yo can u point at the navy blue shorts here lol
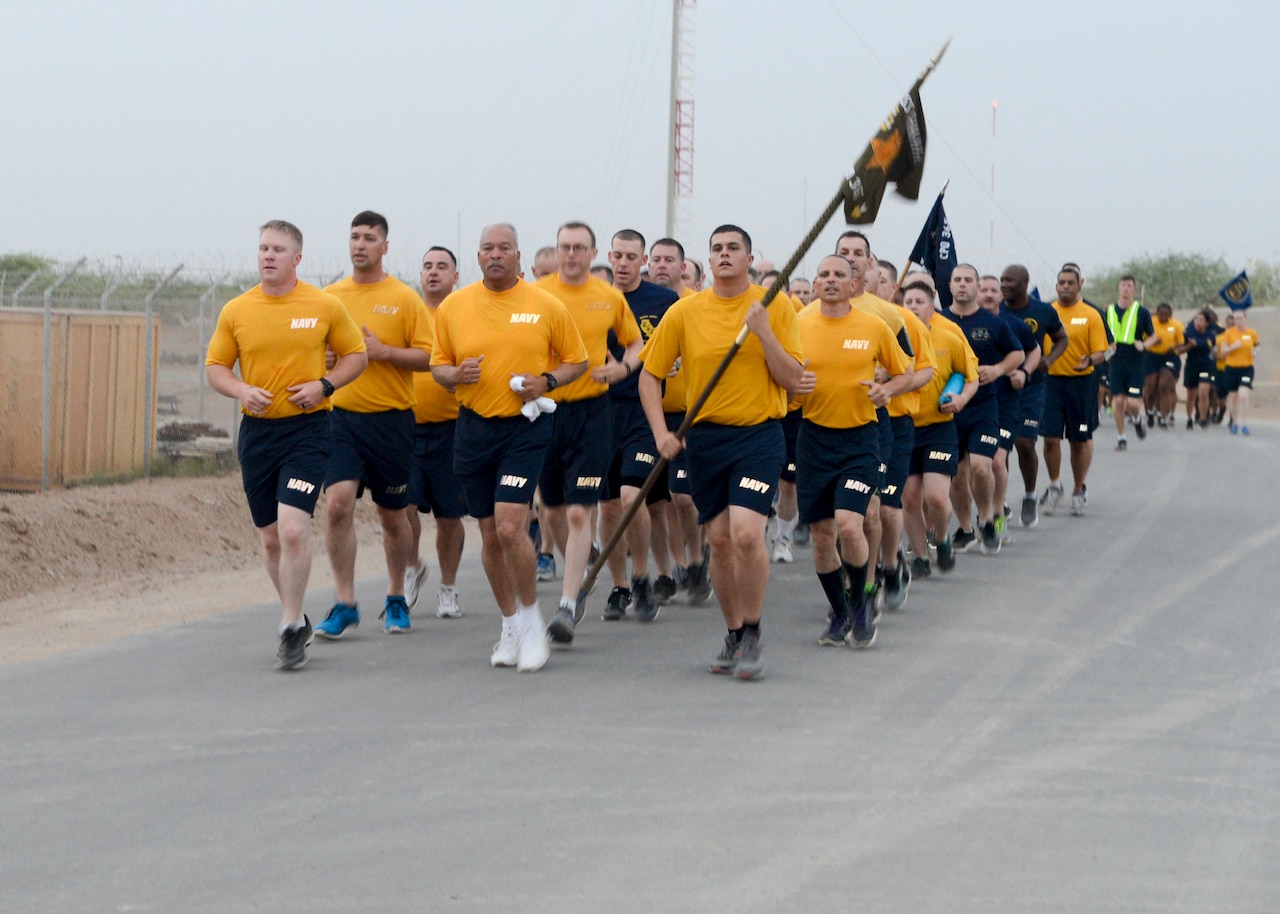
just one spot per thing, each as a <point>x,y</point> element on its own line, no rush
<point>936,450</point>
<point>1238,377</point>
<point>579,454</point>
<point>1197,372</point>
<point>734,465</point>
<point>837,469</point>
<point>282,462</point>
<point>1010,410</point>
<point>790,435</point>
<point>1070,408</point>
<point>634,454</point>
<point>884,428</point>
<point>678,467</point>
<point>498,460</point>
<point>1126,374</point>
<point>898,466</point>
<point>433,486</point>
<point>978,428</point>
<point>1166,361</point>
<point>376,450</point>
<point>1030,411</point>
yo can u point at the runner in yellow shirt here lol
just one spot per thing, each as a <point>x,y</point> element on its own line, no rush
<point>1236,346</point>
<point>1160,390</point>
<point>278,332</point>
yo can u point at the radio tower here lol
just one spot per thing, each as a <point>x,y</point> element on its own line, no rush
<point>680,148</point>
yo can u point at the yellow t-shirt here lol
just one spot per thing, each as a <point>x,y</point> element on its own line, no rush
<point>434,403</point>
<point>1085,334</point>
<point>279,341</point>
<point>390,309</point>
<point>952,353</point>
<point>888,312</point>
<point>906,404</point>
<point>596,308</point>
<point>1166,336</point>
<point>524,330</point>
<point>699,330</point>
<point>1242,357</point>
<point>843,352</point>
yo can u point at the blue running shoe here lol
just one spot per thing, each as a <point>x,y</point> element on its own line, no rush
<point>546,567</point>
<point>340,618</point>
<point>395,617</point>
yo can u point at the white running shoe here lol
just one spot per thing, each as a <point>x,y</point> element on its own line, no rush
<point>533,648</point>
<point>507,651</point>
<point>782,550</point>
<point>414,578</point>
<point>447,603</point>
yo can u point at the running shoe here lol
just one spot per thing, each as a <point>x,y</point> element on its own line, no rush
<point>616,608</point>
<point>534,651</point>
<point>699,584</point>
<point>341,617</point>
<point>292,653</point>
<point>506,652</point>
<point>894,595</point>
<point>963,539</point>
<point>561,626</point>
<point>727,660</point>
<point>1139,429</point>
<point>946,556</point>
<point>749,657</point>
<point>837,633</point>
<point>990,539</point>
<point>1077,504</point>
<point>1052,496</point>
<point>1161,422</point>
<point>1244,430</point>
<point>395,616</point>
<point>920,567</point>
<point>864,636</point>
<point>447,603</point>
<point>644,599</point>
<point>1030,517</point>
<point>1002,529</point>
<point>414,577</point>
<point>546,567</point>
<point>782,551</point>
<point>1191,423</point>
<point>1233,428</point>
<point>1121,444</point>
<point>1151,420</point>
<point>664,589</point>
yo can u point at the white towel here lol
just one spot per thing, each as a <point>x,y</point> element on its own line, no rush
<point>533,408</point>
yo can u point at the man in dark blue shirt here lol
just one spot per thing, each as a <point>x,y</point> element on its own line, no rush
<point>635,453</point>
<point>1044,324</point>
<point>978,424</point>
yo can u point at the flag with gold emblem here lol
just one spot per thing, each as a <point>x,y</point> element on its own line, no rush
<point>1238,294</point>
<point>895,155</point>
<point>935,250</point>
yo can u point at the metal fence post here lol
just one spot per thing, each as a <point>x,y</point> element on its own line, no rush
<point>200,379</point>
<point>46,393</point>
<point>148,381</point>
<point>28,281</point>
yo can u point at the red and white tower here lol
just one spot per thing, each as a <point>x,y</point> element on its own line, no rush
<point>680,148</point>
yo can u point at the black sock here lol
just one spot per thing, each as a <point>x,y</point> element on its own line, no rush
<point>833,586</point>
<point>738,633</point>
<point>857,584</point>
<point>752,627</point>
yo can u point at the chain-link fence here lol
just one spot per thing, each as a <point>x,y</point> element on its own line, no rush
<point>188,420</point>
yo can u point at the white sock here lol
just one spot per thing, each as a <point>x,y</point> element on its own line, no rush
<point>510,624</point>
<point>529,616</point>
<point>787,527</point>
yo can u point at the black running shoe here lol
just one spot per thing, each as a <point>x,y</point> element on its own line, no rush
<point>946,556</point>
<point>963,539</point>
<point>292,653</point>
<point>837,632</point>
<point>699,584</point>
<point>920,567</point>
<point>664,589</point>
<point>990,539</point>
<point>616,608</point>
<point>642,597</point>
<point>561,626</point>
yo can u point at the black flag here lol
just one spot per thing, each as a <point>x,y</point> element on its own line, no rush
<point>895,154</point>
<point>935,250</point>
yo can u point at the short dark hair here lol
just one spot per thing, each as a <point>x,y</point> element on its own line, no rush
<point>669,242</point>
<point>729,227</point>
<point>440,247</point>
<point>1068,268</point>
<point>888,265</point>
<point>577,225</point>
<point>629,235</point>
<point>1164,304</point>
<point>768,275</point>
<point>371,219</point>
<point>1129,276</point>
<point>854,233</point>
<point>966,266</point>
<point>922,286</point>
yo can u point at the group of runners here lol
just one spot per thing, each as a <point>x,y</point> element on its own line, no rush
<point>856,412</point>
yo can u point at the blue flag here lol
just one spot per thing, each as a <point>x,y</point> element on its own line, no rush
<point>936,251</point>
<point>1237,293</point>
<point>1034,295</point>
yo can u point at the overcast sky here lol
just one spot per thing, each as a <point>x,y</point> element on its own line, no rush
<point>166,132</point>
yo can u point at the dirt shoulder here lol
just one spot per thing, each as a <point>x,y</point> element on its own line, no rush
<point>85,565</point>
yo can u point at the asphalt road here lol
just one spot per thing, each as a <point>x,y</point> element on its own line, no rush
<point>1085,722</point>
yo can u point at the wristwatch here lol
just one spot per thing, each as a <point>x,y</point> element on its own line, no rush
<point>552,383</point>
<point>327,385</point>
